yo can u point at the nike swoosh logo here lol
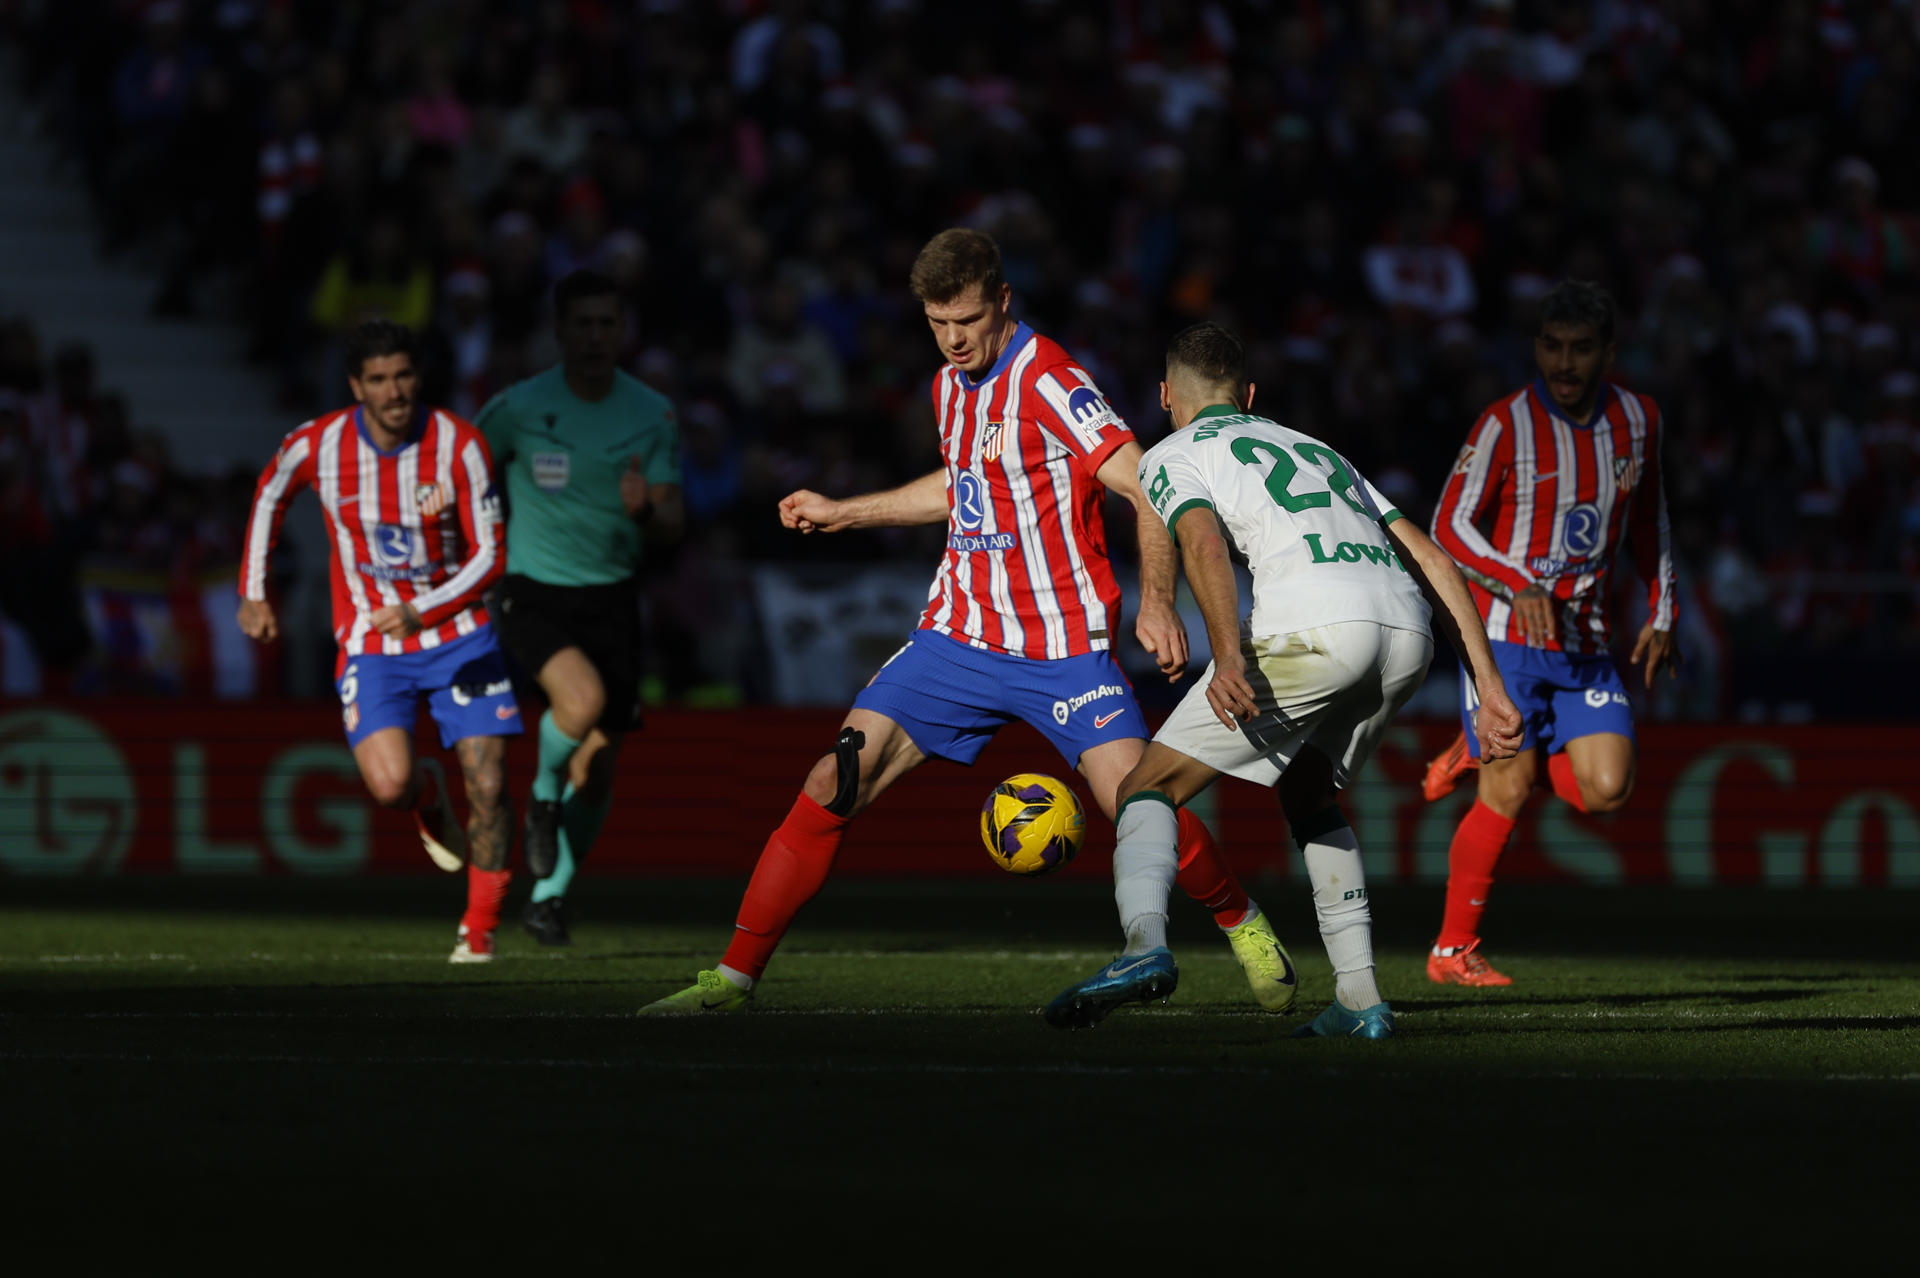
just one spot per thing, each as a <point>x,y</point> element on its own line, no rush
<point>1471,901</point>
<point>1103,720</point>
<point>712,1007</point>
<point>1544,474</point>
<point>1287,975</point>
<point>1114,968</point>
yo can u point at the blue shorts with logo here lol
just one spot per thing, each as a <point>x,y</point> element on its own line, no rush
<point>1560,696</point>
<point>951,698</point>
<point>465,683</point>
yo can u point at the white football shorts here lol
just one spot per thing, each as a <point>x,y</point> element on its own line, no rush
<point>1333,687</point>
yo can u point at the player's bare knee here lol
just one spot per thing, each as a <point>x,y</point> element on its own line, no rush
<point>579,710</point>
<point>485,788</point>
<point>1505,787</point>
<point>390,789</point>
<point>1607,793</point>
<point>835,782</point>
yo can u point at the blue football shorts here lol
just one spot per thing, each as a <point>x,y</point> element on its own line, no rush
<point>1561,696</point>
<point>465,682</point>
<point>951,698</point>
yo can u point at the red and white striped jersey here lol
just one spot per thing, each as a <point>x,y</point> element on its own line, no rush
<point>418,525</point>
<point>1537,498</point>
<point>1026,569</point>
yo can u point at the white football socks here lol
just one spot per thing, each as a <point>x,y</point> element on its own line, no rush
<point>1145,860</point>
<point>1346,924</point>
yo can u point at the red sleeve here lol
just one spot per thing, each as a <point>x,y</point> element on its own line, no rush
<point>291,469</point>
<point>480,522</point>
<point>1472,489</point>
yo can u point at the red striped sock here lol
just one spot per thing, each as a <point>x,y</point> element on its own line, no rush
<point>790,871</point>
<point>1476,849</point>
<point>1565,784</point>
<point>486,889</point>
<point>1205,875</point>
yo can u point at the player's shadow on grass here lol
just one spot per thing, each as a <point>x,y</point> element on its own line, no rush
<point>1744,997</point>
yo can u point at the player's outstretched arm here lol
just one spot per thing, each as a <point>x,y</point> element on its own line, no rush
<point>924,501</point>
<point>1158,627</point>
<point>1210,574</point>
<point>1498,721</point>
<point>290,470</point>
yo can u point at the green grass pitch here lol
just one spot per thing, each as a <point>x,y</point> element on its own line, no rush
<point>294,1066</point>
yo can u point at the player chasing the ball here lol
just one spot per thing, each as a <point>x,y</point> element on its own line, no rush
<point>407,492</point>
<point>1563,473</point>
<point>1020,621</point>
<point>1339,637</point>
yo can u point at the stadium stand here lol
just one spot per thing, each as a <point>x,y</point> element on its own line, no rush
<point>1374,194</point>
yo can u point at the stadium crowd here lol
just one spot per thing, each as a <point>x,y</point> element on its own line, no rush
<point>1374,194</point>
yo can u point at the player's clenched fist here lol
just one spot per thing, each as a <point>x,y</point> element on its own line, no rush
<point>398,621</point>
<point>1497,723</point>
<point>257,620</point>
<point>808,511</point>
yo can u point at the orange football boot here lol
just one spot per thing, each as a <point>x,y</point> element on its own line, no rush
<point>1446,769</point>
<point>1464,967</point>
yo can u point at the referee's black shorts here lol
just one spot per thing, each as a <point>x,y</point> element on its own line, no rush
<point>536,620</point>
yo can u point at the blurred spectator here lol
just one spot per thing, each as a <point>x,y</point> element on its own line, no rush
<point>1375,195</point>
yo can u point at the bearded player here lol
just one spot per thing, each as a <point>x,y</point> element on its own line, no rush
<point>1019,624</point>
<point>1555,481</point>
<point>407,493</point>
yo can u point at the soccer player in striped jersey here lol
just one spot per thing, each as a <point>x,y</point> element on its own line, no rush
<point>407,493</point>
<point>1553,482</point>
<point>1019,623</point>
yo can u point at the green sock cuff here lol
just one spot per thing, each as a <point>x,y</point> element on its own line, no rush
<point>556,751</point>
<point>1325,821</point>
<point>1140,795</point>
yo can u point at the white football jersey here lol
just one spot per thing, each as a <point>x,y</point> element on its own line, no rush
<point>1312,528</point>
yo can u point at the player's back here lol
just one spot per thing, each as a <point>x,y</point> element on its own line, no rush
<point>1311,527</point>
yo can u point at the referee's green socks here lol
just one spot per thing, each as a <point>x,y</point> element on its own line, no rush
<point>556,752</point>
<point>580,821</point>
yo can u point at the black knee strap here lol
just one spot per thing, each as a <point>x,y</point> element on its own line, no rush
<point>846,756</point>
<point>1325,821</point>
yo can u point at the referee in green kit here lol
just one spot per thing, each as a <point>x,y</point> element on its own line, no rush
<point>591,461</point>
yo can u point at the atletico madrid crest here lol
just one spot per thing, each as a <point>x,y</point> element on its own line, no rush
<point>431,498</point>
<point>1625,473</point>
<point>992,442</point>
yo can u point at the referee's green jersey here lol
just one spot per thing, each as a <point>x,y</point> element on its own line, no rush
<point>562,458</point>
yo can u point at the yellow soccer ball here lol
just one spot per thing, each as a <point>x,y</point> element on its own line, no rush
<point>1032,824</point>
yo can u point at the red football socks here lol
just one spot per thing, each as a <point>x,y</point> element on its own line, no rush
<point>1565,784</point>
<point>486,889</point>
<point>790,871</point>
<point>1205,875</point>
<point>1476,849</point>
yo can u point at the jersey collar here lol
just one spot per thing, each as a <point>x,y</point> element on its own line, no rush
<point>1021,336</point>
<point>1217,410</point>
<point>1600,403</point>
<point>412,435</point>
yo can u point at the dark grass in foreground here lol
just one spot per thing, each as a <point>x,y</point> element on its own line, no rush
<point>261,1058</point>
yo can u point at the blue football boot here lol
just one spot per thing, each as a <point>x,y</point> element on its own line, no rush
<point>1338,1022</point>
<point>1131,978</point>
